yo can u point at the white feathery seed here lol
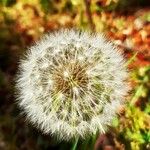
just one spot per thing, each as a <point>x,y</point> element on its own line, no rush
<point>71,83</point>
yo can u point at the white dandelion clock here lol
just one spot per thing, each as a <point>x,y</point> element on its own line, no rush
<point>71,83</point>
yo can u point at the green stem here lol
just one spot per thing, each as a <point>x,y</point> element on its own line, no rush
<point>94,137</point>
<point>131,59</point>
<point>75,144</point>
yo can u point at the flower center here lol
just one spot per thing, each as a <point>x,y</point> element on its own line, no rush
<point>70,79</point>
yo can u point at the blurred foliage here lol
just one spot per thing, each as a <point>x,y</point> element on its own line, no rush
<point>134,125</point>
<point>7,2</point>
<point>134,129</point>
<point>126,23</point>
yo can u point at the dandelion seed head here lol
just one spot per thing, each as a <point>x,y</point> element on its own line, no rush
<point>71,83</point>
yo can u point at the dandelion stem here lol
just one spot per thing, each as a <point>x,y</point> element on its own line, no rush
<point>94,137</point>
<point>75,144</point>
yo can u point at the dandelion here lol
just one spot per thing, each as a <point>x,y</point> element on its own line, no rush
<point>71,83</point>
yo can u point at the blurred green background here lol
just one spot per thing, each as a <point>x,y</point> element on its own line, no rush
<point>126,23</point>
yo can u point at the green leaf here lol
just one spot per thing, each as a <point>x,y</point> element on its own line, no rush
<point>115,122</point>
<point>46,5</point>
<point>131,59</point>
<point>3,2</point>
<point>76,2</point>
<point>147,109</point>
<point>137,94</point>
<point>7,2</point>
